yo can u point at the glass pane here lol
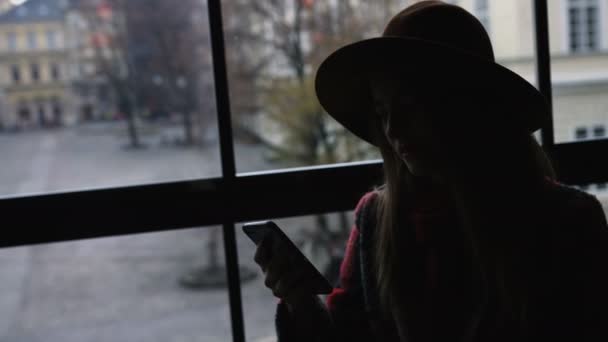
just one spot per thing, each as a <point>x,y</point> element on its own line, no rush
<point>128,288</point>
<point>275,47</point>
<point>105,93</point>
<point>579,69</point>
<point>322,239</point>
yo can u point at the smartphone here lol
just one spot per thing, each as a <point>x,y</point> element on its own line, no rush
<point>257,231</point>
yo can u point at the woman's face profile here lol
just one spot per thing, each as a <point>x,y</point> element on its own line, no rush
<point>407,123</point>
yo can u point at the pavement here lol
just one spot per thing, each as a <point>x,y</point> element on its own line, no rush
<point>120,288</point>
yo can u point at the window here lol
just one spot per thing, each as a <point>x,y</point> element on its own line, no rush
<point>599,131</point>
<point>31,40</point>
<point>11,41</point>
<point>43,10</point>
<point>42,119</point>
<point>34,72</point>
<point>97,284</point>
<point>271,116</point>
<point>55,72</point>
<point>22,11</point>
<point>578,78</point>
<point>136,171</point>
<point>583,25</point>
<point>15,73</point>
<point>51,39</point>
<point>57,112</point>
<point>167,130</point>
<point>581,133</point>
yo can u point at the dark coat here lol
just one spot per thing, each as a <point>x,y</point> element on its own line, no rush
<point>570,301</point>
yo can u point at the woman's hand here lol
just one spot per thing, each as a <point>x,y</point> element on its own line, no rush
<point>284,275</point>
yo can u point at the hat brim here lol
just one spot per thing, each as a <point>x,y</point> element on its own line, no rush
<point>342,84</point>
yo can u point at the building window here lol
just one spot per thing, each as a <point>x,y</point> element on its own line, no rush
<point>55,72</point>
<point>31,40</point>
<point>57,111</point>
<point>482,11</point>
<point>35,72</point>
<point>43,10</point>
<point>51,39</point>
<point>21,11</point>
<point>41,114</point>
<point>583,24</point>
<point>581,133</point>
<point>24,113</point>
<point>15,73</point>
<point>599,131</point>
<point>11,41</point>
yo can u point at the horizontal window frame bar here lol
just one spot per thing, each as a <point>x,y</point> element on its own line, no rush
<point>197,203</point>
<point>149,208</point>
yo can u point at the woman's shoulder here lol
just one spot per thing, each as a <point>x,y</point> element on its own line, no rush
<point>569,196</point>
<point>366,207</point>
<point>577,209</point>
<point>366,200</point>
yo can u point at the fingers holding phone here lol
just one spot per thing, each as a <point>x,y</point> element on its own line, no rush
<point>288,273</point>
<point>282,271</point>
<point>264,252</point>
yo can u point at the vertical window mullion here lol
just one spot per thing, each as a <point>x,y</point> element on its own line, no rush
<point>543,67</point>
<point>228,167</point>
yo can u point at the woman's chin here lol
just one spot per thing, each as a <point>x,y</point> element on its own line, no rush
<point>420,171</point>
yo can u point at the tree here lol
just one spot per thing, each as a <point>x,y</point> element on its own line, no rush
<point>107,36</point>
<point>274,48</point>
<point>172,55</point>
<point>155,55</point>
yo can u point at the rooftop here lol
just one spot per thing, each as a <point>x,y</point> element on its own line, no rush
<point>35,10</point>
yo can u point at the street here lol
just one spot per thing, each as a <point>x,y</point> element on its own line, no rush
<point>119,288</point>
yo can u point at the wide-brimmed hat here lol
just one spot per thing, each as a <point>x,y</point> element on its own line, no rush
<point>438,46</point>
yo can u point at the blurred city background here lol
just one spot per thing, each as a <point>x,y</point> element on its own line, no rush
<point>105,93</point>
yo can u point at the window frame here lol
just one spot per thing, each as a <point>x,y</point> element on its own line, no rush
<point>598,131</point>
<point>582,36</point>
<point>31,40</point>
<point>11,41</point>
<point>16,76</point>
<point>581,133</point>
<point>51,39</point>
<point>54,71</point>
<point>234,198</point>
<point>35,76</point>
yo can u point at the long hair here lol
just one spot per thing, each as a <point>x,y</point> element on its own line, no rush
<point>503,164</point>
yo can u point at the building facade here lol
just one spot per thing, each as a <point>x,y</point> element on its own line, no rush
<point>46,74</point>
<point>579,57</point>
<point>33,61</point>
